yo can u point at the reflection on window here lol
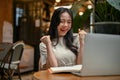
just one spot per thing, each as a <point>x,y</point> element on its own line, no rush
<point>19,13</point>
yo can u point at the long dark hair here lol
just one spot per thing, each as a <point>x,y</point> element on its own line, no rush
<point>55,21</point>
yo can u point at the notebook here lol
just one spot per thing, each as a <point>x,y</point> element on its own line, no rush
<point>101,55</point>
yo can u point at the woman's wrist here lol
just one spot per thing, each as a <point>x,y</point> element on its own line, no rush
<point>49,44</point>
<point>82,42</point>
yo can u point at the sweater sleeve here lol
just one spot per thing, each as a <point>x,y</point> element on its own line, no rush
<point>43,54</point>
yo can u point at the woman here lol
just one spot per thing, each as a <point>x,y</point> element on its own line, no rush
<point>60,47</point>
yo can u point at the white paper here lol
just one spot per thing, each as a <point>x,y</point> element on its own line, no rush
<point>75,68</point>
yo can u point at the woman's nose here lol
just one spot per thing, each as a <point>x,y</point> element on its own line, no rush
<point>65,24</point>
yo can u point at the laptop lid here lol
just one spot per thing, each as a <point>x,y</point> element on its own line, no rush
<point>101,55</point>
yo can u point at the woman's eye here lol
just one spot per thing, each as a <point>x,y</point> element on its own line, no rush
<point>69,22</point>
<point>62,21</point>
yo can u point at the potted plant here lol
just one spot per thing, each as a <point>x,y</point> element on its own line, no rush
<point>83,20</point>
<point>107,18</point>
<point>106,12</point>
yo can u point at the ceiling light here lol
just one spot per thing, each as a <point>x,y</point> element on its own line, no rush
<point>81,13</point>
<point>89,6</point>
<point>57,1</point>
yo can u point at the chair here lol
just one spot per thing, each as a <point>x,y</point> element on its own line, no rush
<point>5,48</point>
<point>11,66</point>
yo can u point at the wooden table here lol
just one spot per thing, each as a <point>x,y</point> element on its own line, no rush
<point>45,75</point>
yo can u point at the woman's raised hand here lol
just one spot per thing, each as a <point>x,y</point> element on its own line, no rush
<point>46,39</point>
<point>82,34</point>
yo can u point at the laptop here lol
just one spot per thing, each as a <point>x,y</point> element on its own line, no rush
<point>101,55</point>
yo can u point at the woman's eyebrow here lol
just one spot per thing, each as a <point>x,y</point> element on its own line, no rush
<point>65,19</point>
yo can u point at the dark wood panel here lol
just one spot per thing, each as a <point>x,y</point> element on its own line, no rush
<point>6,9</point>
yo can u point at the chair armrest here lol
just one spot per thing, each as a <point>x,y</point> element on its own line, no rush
<point>15,62</point>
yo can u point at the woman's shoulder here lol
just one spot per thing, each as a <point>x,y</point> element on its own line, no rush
<point>75,34</point>
<point>76,37</point>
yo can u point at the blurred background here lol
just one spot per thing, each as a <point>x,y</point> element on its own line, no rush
<point>30,19</point>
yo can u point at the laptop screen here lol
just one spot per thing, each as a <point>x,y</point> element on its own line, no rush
<point>101,55</point>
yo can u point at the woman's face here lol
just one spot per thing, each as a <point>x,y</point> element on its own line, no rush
<point>65,24</point>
